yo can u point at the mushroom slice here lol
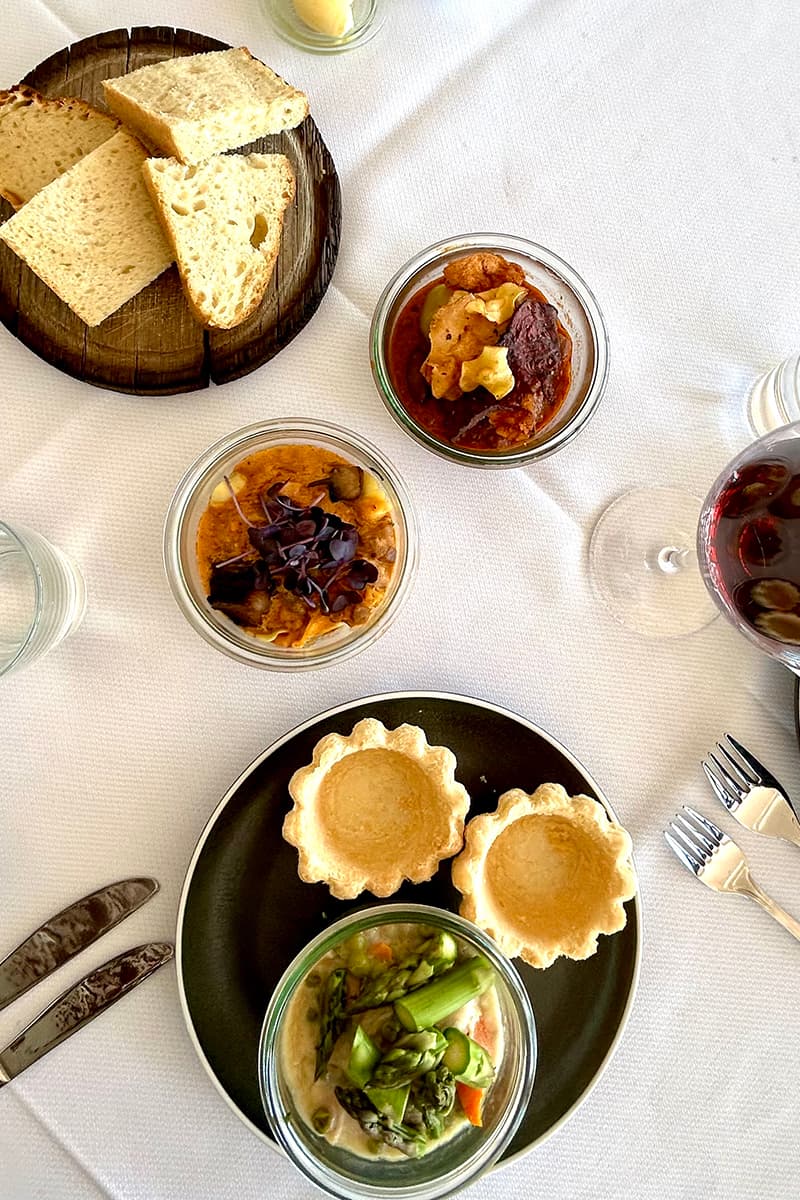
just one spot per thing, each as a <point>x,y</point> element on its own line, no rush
<point>782,626</point>
<point>345,482</point>
<point>777,594</point>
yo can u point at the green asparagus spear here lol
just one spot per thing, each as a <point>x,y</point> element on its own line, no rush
<point>379,1126</point>
<point>435,956</point>
<point>412,1055</point>
<point>431,1100</point>
<point>444,996</point>
<point>364,1055</point>
<point>332,1017</point>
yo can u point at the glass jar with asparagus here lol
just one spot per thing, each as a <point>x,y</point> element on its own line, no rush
<point>392,1042</point>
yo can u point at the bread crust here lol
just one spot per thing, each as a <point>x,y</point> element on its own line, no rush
<point>23,96</point>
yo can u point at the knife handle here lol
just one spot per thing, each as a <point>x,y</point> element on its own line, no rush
<point>81,1004</point>
<point>69,932</point>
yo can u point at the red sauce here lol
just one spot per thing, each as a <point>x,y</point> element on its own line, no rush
<point>446,419</point>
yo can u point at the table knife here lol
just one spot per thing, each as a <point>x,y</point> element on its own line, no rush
<point>81,1004</point>
<point>69,932</point>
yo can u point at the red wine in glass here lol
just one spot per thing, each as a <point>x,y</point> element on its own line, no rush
<point>748,543</point>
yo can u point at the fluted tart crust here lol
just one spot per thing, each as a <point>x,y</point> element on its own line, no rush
<point>545,874</point>
<point>374,809</point>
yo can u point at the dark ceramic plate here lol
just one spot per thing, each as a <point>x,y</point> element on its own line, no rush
<point>245,914</point>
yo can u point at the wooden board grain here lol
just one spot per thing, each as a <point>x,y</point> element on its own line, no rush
<point>152,345</point>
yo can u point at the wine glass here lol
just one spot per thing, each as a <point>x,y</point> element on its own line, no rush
<point>643,563</point>
<point>748,543</point>
<point>665,563</point>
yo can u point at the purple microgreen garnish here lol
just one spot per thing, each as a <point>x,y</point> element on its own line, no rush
<point>236,503</point>
<point>303,548</point>
<point>236,558</point>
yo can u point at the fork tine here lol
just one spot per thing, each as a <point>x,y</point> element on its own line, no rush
<point>730,802</point>
<point>688,860</point>
<point>728,779</point>
<point>758,770</point>
<point>711,829</point>
<point>690,843</point>
<point>694,836</point>
<point>742,774</point>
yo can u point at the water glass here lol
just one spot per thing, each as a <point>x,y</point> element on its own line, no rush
<point>42,596</point>
<point>774,399</point>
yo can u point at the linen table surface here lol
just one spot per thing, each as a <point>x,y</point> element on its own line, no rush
<point>655,147</point>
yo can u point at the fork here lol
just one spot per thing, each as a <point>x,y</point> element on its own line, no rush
<point>750,793</point>
<point>718,862</point>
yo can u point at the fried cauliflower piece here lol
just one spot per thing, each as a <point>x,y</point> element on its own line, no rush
<point>458,334</point>
<point>482,271</point>
<point>490,370</point>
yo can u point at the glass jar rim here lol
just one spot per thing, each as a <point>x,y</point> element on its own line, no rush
<point>501,459</point>
<point>276,431</point>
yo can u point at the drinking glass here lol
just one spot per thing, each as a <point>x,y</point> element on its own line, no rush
<point>42,596</point>
<point>748,543</point>
<point>774,398</point>
<point>643,563</point>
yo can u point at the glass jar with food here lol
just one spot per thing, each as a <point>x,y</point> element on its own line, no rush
<point>326,26</point>
<point>489,350</point>
<point>290,544</point>
<point>398,1052</point>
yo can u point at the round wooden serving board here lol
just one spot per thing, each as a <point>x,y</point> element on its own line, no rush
<point>152,346</point>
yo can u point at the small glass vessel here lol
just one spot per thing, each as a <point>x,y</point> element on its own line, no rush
<point>367,19</point>
<point>774,398</point>
<point>42,596</point>
<point>191,500</point>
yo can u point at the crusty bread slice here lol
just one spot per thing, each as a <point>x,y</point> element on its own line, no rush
<point>201,104</point>
<point>92,234</point>
<point>223,220</point>
<point>41,138</point>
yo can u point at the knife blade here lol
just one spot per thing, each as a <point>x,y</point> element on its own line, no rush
<point>69,932</point>
<point>81,1004</point>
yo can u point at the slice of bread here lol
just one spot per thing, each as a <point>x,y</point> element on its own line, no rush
<point>41,138</point>
<point>92,234</point>
<point>196,106</point>
<point>223,220</point>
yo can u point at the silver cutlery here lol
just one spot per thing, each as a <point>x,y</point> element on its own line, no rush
<point>81,1004</point>
<point>69,932</point>
<point>718,862</point>
<point>750,793</point>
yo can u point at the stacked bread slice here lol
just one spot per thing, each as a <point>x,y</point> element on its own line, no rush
<point>223,220</point>
<point>194,107</point>
<point>116,218</point>
<point>42,138</point>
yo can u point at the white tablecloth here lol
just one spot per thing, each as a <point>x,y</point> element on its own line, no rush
<point>653,145</point>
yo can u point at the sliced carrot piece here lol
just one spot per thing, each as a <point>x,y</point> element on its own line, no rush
<point>471,1100</point>
<point>382,951</point>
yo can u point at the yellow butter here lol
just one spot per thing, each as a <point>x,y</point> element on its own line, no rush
<point>331,17</point>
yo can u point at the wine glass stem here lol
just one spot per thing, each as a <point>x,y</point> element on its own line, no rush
<point>672,559</point>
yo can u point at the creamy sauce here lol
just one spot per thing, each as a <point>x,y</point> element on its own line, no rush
<point>480,1019</point>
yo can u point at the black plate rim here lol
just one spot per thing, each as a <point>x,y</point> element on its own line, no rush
<point>276,745</point>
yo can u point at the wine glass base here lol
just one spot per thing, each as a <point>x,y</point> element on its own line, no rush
<point>643,563</point>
